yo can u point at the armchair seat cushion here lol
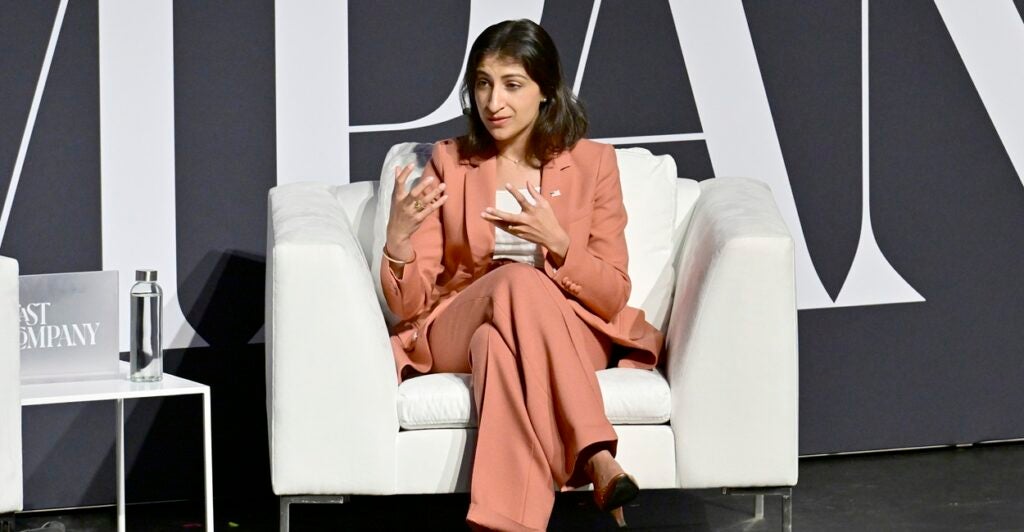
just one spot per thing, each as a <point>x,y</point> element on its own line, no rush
<point>445,400</point>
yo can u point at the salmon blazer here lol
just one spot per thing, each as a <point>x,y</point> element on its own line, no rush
<point>454,247</point>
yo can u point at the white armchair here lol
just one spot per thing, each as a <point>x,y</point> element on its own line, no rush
<point>711,264</point>
<point>10,393</point>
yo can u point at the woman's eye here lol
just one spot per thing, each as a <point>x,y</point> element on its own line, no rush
<point>481,83</point>
<point>512,86</point>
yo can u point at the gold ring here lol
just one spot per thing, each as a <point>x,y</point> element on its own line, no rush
<point>418,205</point>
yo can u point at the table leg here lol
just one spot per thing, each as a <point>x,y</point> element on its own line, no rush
<point>119,459</point>
<point>207,460</point>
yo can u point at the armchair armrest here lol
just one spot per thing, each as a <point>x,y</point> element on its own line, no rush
<point>10,390</point>
<point>331,385</point>
<point>732,342</point>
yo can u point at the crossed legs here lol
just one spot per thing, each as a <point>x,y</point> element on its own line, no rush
<point>540,408</point>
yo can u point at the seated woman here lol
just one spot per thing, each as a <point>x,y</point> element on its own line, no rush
<point>508,261</point>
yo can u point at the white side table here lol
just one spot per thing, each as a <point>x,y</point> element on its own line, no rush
<point>119,390</point>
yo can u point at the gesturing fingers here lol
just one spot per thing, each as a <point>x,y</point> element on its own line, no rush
<point>524,204</point>
<point>401,176</point>
<point>425,182</point>
<point>501,217</point>
<point>428,197</point>
<point>538,199</point>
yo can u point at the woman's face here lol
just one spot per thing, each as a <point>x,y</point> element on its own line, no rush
<point>507,100</point>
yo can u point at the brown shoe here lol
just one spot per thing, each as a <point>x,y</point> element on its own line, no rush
<point>616,492</point>
<point>621,489</point>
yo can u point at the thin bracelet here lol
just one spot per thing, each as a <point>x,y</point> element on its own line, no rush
<point>396,261</point>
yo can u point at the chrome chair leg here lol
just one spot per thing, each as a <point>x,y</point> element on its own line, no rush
<point>787,513</point>
<point>785,492</point>
<point>287,500</point>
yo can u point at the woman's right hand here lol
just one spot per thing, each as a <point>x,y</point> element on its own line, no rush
<point>408,210</point>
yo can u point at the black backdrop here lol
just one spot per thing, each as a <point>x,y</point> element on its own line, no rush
<point>947,207</point>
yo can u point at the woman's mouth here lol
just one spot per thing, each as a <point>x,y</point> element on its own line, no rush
<point>498,120</point>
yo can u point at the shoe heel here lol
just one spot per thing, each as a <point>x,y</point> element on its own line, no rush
<point>620,517</point>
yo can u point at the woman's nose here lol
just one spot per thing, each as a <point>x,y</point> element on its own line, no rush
<point>495,101</point>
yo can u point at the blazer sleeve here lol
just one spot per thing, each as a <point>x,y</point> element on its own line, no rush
<point>595,270</point>
<point>415,291</point>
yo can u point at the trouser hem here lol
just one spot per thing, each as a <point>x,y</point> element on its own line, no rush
<point>480,518</point>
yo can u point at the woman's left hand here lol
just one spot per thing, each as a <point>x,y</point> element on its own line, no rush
<point>536,223</point>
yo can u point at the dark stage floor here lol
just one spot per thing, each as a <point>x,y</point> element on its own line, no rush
<point>979,489</point>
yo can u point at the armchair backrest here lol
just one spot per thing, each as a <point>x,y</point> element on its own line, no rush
<point>658,205</point>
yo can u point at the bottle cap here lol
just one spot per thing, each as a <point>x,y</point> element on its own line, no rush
<point>145,275</point>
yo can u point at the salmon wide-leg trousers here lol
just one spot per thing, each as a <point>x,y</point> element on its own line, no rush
<point>533,363</point>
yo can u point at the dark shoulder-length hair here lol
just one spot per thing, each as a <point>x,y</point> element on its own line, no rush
<point>562,120</point>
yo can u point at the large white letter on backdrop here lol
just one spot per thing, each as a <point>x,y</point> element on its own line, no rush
<point>311,55</point>
<point>137,155</point>
<point>741,139</point>
<point>312,85</point>
<point>990,39</point>
<point>482,14</point>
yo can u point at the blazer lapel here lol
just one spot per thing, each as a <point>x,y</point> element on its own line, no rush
<point>479,190</point>
<point>558,179</point>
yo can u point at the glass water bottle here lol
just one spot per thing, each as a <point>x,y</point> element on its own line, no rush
<point>146,355</point>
